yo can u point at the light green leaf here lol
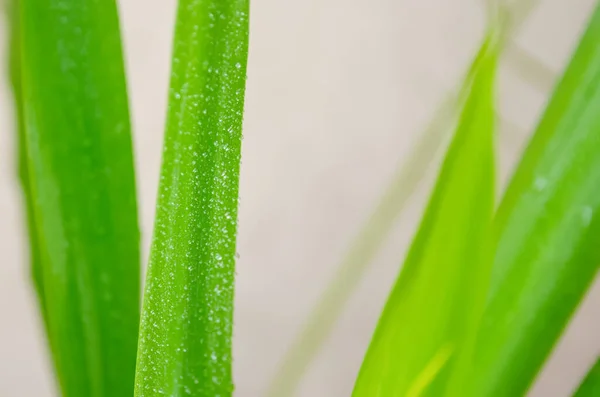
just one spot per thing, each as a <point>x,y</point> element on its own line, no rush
<point>186,326</point>
<point>81,180</point>
<point>547,232</point>
<point>590,387</point>
<point>433,304</point>
<point>392,204</point>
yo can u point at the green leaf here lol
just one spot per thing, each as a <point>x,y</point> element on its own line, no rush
<point>391,204</point>
<point>590,387</point>
<point>547,232</point>
<point>186,326</point>
<point>35,255</point>
<point>14,69</point>
<point>364,247</point>
<point>81,180</point>
<point>433,304</point>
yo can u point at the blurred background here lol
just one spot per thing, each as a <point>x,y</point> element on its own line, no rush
<point>339,93</point>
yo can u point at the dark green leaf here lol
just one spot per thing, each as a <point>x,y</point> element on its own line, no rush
<point>80,172</point>
<point>590,387</point>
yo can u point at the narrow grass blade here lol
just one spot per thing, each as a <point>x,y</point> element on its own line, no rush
<point>590,387</point>
<point>35,256</point>
<point>547,231</point>
<point>431,305</point>
<point>79,175</point>
<point>186,326</point>
<point>14,70</point>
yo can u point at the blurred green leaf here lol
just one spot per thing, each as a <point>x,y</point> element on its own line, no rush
<point>590,387</point>
<point>186,326</point>
<point>35,256</point>
<point>365,246</point>
<point>14,71</point>
<point>433,303</point>
<point>392,203</point>
<point>546,233</point>
<point>79,170</point>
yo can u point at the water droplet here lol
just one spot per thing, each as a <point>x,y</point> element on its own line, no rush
<point>586,215</point>
<point>540,183</point>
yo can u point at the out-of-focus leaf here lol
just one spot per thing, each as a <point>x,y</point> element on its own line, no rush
<point>81,181</point>
<point>186,326</point>
<point>364,247</point>
<point>14,68</point>
<point>433,304</point>
<point>590,387</point>
<point>392,203</point>
<point>35,256</point>
<point>547,232</point>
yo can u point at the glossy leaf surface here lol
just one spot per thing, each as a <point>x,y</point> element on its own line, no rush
<point>81,180</point>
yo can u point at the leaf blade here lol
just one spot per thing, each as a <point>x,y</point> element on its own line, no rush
<point>545,230</point>
<point>419,320</point>
<point>80,169</point>
<point>186,325</point>
<point>14,72</point>
<point>590,386</point>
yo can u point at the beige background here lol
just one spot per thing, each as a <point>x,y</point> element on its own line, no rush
<point>338,91</point>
